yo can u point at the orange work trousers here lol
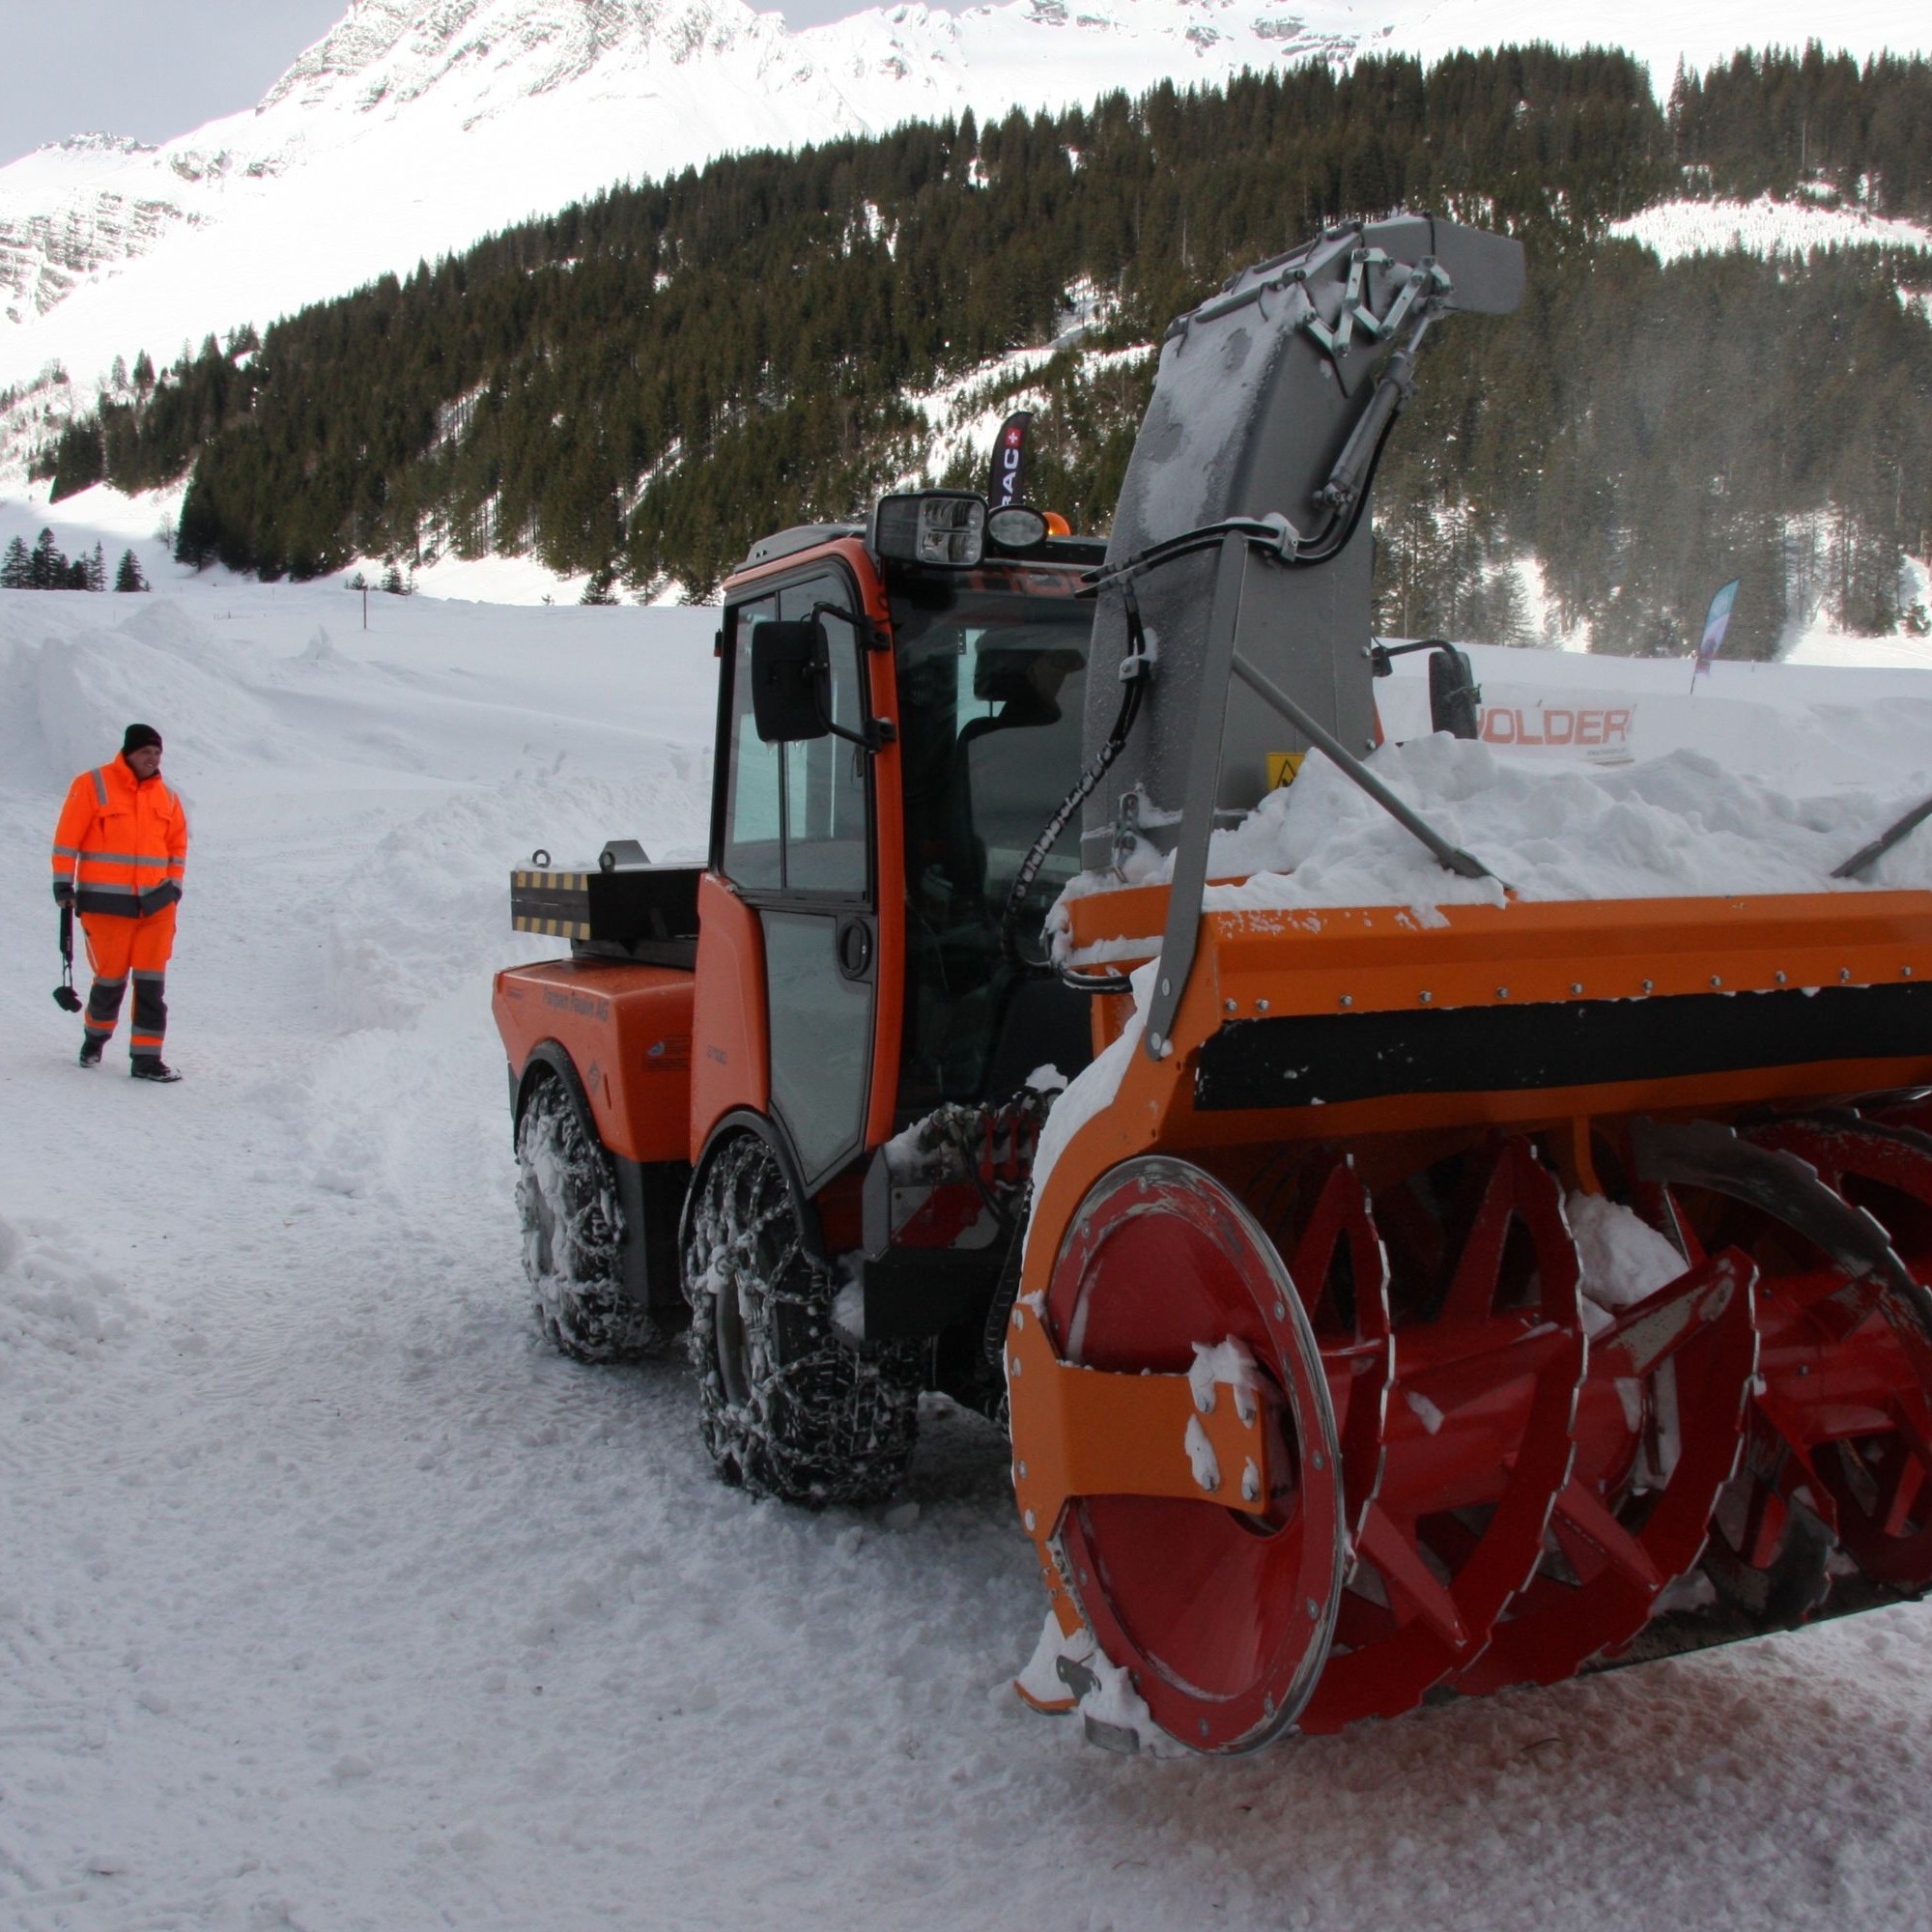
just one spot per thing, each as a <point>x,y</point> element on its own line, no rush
<point>119,949</point>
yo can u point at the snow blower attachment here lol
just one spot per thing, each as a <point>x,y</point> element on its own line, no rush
<point>1440,1300</point>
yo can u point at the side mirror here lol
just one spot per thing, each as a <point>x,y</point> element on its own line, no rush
<point>791,669</point>
<point>1453,693</point>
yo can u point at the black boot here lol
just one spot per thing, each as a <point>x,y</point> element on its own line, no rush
<point>151,1067</point>
<point>91,1047</point>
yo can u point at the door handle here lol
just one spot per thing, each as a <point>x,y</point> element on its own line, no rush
<point>854,945</point>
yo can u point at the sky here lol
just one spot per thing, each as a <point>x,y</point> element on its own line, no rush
<point>75,66</point>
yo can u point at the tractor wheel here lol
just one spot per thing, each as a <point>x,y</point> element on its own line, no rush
<point>573,1233</point>
<point>789,1409</point>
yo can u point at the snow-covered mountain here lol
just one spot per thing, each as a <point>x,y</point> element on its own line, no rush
<point>414,127</point>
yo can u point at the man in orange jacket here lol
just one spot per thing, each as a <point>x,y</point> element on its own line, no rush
<point>120,851</point>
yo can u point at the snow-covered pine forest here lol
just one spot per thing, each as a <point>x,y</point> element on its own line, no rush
<point>1719,372</point>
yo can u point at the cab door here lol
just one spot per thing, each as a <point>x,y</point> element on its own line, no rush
<point>793,835</point>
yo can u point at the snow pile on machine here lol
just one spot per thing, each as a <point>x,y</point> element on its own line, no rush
<point>1678,826</point>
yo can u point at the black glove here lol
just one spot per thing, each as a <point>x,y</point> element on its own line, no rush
<point>63,892</point>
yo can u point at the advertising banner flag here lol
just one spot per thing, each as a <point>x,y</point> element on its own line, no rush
<point>1717,622</point>
<point>1006,485</point>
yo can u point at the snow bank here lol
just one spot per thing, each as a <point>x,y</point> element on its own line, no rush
<point>85,666</point>
<point>432,899</point>
<point>52,1296</point>
<point>392,777</point>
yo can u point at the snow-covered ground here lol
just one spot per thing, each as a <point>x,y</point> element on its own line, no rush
<point>330,1598</point>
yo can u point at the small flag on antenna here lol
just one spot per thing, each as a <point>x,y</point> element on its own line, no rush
<point>1006,485</point>
<point>1717,622</point>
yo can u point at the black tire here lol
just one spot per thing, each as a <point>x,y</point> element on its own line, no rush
<point>574,1234</point>
<point>789,1409</point>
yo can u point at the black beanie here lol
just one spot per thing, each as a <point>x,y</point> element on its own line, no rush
<point>139,735</point>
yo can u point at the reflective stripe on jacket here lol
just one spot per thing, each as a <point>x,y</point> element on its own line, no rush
<point>122,840</point>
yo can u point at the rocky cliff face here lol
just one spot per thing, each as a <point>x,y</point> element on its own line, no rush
<point>384,55</point>
<point>94,202</point>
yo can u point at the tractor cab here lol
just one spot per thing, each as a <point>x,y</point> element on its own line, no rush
<point>902,714</point>
<point>791,1095</point>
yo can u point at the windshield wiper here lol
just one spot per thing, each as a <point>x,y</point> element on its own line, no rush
<point>1870,855</point>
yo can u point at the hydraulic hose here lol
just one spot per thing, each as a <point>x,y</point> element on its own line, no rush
<point>1346,494</point>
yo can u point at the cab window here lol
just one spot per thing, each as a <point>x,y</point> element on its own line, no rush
<point>754,791</point>
<point>796,816</point>
<point>992,689</point>
<point>826,778</point>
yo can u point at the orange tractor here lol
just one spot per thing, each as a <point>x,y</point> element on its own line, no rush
<point>1282,1298</point>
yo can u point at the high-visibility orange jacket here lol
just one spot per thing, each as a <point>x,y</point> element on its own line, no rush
<point>122,840</point>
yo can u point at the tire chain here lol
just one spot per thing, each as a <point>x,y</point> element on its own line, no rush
<point>814,1421</point>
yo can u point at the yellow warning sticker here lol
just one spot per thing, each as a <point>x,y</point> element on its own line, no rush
<point>1283,767</point>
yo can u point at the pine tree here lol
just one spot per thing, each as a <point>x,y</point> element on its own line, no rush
<point>47,565</point>
<point>199,530</point>
<point>96,569</point>
<point>16,572</point>
<point>598,590</point>
<point>127,576</point>
<point>79,460</point>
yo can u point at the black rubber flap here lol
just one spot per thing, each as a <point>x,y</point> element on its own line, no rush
<point>1299,1060</point>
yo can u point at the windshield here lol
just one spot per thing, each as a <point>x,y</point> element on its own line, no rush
<point>992,678</point>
